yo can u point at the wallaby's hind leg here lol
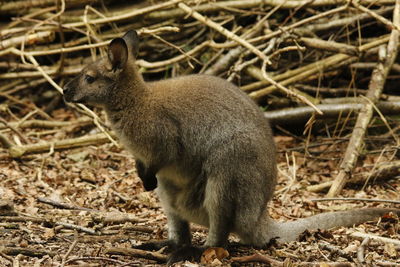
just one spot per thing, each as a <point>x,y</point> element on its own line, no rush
<point>254,189</point>
<point>252,229</point>
<point>219,205</point>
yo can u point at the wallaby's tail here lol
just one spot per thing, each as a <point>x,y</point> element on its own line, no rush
<point>289,231</point>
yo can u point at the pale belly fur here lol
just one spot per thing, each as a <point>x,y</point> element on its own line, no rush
<point>176,198</point>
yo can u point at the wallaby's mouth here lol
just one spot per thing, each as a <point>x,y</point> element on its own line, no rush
<point>70,97</point>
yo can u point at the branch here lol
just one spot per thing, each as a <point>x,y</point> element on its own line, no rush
<point>385,171</point>
<point>299,115</point>
<point>4,141</point>
<point>19,151</point>
<point>138,253</point>
<point>376,237</point>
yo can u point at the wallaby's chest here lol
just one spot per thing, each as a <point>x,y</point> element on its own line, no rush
<point>134,133</point>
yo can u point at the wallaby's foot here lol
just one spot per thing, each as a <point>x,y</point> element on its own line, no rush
<point>186,253</point>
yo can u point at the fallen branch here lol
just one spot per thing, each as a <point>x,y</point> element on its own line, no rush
<point>387,240</point>
<point>95,139</point>
<point>101,259</point>
<point>47,124</point>
<point>21,219</point>
<point>361,250</point>
<point>327,264</point>
<point>116,218</point>
<point>244,43</point>
<point>62,205</point>
<point>123,226</point>
<point>258,258</point>
<point>392,25</point>
<point>24,6</point>
<point>330,46</point>
<point>246,4</point>
<point>31,39</point>
<point>5,142</point>
<point>335,250</point>
<point>138,253</point>
<point>299,115</point>
<point>71,247</point>
<point>76,227</point>
<point>335,23</point>
<point>26,251</point>
<point>43,220</point>
<point>385,171</point>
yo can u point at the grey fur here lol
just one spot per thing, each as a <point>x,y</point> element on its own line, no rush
<point>207,143</point>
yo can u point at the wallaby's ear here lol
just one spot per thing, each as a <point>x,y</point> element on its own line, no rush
<point>132,40</point>
<point>117,53</point>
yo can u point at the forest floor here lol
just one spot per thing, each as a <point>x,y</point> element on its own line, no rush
<point>95,188</point>
<point>81,203</point>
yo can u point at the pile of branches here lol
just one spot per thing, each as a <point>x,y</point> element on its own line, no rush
<point>317,57</point>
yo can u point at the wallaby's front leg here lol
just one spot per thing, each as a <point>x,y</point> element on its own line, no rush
<point>217,237</point>
<point>178,236</point>
<point>178,230</point>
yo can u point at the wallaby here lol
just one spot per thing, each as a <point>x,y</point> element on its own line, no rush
<point>203,143</point>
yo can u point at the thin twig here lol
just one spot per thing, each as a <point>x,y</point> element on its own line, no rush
<point>71,247</point>
<point>19,151</point>
<point>391,25</point>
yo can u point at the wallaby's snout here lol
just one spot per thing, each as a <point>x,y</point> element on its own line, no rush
<point>70,91</point>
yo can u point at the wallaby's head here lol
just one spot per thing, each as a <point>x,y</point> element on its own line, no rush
<point>96,82</point>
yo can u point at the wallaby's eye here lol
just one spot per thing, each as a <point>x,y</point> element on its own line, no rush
<point>89,79</point>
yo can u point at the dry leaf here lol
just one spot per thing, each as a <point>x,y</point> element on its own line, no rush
<point>49,233</point>
<point>391,250</point>
<point>211,254</point>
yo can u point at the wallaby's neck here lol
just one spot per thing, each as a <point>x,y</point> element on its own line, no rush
<point>129,91</point>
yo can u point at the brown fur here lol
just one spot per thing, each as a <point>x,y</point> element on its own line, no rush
<point>204,144</point>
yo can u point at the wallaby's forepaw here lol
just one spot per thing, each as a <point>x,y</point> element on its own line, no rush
<point>147,175</point>
<point>186,253</point>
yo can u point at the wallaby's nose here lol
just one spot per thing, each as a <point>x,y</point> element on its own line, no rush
<point>68,92</point>
<point>65,89</point>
